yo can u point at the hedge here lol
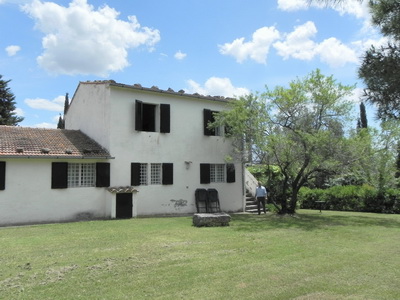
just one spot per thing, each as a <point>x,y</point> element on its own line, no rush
<point>351,198</point>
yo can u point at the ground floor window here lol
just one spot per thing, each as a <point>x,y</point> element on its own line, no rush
<point>151,173</point>
<point>81,175</point>
<point>217,172</point>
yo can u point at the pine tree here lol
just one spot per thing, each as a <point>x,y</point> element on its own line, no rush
<point>7,105</point>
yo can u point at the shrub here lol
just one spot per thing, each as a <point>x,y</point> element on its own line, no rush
<point>352,198</point>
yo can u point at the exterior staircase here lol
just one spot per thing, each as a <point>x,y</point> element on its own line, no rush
<point>251,185</point>
<point>251,203</point>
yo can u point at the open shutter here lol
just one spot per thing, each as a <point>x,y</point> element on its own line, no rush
<point>230,173</point>
<point>135,174</point>
<point>2,175</point>
<point>138,115</point>
<point>207,117</point>
<point>165,118</point>
<point>167,173</point>
<point>204,173</point>
<point>59,175</point>
<point>102,174</point>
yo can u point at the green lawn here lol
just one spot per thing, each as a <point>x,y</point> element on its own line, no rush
<point>328,255</point>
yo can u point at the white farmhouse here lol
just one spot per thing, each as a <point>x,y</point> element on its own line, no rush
<point>135,151</point>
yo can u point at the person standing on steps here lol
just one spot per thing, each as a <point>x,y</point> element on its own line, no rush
<point>261,195</point>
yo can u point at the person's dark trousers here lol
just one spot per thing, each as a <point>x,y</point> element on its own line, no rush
<point>261,200</point>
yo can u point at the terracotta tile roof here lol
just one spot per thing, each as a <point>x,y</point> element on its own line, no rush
<point>48,143</point>
<point>155,89</point>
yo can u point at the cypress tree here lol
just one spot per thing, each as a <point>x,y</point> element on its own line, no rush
<point>363,116</point>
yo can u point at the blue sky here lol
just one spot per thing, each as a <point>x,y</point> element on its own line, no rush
<point>212,47</point>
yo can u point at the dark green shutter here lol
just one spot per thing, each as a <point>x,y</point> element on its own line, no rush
<point>204,173</point>
<point>59,175</point>
<point>167,173</point>
<point>135,174</point>
<point>208,118</point>
<point>102,174</point>
<point>230,173</point>
<point>2,175</point>
<point>138,115</point>
<point>165,121</point>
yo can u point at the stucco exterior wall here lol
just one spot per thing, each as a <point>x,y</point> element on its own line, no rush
<point>185,146</point>
<point>110,112</point>
<point>89,112</point>
<point>28,197</point>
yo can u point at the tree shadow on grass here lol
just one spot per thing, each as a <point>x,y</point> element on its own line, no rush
<point>309,221</point>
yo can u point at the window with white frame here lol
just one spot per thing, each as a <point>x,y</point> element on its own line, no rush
<point>217,172</point>
<point>155,174</point>
<point>81,174</point>
<point>143,174</point>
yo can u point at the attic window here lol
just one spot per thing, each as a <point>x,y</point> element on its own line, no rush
<point>19,150</point>
<point>45,150</point>
<point>68,151</point>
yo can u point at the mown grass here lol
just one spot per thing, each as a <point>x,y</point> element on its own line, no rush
<point>328,255</point>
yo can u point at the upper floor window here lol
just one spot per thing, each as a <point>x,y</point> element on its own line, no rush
<point>151,117</point>
<point>209,117</point>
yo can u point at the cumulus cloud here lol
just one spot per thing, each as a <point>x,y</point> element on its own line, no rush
<point>12,50</point>
<point>334,53</point>
<point>298,44</point>
<point>56,104</point>
<point>216,86</point>
<point>80,39</point>
<point>180,55</point>
<point>19,112</point>
<point>257,49</point>
<point>359,9</point>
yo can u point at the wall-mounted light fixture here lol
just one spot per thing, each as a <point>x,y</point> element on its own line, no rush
<point>187,164</point>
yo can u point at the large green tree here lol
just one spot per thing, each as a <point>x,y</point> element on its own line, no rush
<point>298,128</point>
<point>7,105</point>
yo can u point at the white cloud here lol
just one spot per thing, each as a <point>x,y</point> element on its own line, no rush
<point>292,5</point>
<point>357,8</point>
<point>332,52</point>
<point>12,50</point>
<point>56,104</point>
<point>45,125</point>
<point>257,49</point>
<point>180,55</point>
<point>19,112</point>
<point>216,86</point>
<point>298,44</point>
<point>82,40</point>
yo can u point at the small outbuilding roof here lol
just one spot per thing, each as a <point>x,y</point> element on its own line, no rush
<point>48,143</point>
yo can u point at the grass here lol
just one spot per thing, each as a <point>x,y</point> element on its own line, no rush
<point>328,255</point>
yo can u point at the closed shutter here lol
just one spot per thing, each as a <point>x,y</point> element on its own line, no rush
<point>230,173</point>
<point>135,174</point>
<point>102,174</point>
<point>167,173</point>
<point>165,121</point>
<point>2,175</point>
<point>208,118</point>
<point>59,175</point>
<point>204,173</point>
<point>138,115</point>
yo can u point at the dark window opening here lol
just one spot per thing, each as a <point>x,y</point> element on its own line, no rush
<point>149,117</point>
